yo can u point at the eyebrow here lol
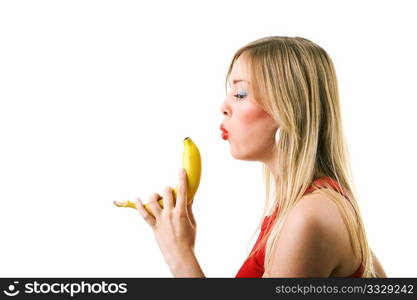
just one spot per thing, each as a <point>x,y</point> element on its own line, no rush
<point>238,80</point>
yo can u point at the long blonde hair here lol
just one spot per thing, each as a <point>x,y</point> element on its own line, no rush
<point>294,81</point>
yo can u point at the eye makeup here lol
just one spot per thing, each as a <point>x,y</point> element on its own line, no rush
<point>241,94</point>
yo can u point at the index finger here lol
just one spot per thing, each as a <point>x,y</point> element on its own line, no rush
<point>181,202</point>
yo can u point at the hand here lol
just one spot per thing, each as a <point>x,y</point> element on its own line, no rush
<point>173,225</point>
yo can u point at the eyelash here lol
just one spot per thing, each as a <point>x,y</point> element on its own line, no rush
<point>238,95</point>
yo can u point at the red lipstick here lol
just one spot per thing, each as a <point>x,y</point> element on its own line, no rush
<point>225,133</point>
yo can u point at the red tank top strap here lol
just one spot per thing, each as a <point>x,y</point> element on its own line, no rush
<point>320,182</point>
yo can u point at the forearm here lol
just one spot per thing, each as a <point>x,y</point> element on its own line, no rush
<point>186,266</point>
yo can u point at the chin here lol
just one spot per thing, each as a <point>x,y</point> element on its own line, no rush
<point>235,154</point>
<point>240,155</point>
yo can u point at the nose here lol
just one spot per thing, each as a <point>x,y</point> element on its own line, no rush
<point>224,108</point>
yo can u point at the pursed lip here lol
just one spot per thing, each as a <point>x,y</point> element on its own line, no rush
<point>223,129</point>
<point>225,133</point>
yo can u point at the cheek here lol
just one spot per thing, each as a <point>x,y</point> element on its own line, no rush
<point>253,116</point>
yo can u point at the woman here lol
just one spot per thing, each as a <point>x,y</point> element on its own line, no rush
<point>282,110</point>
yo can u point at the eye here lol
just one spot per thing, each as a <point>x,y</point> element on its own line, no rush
<point>241,94</point>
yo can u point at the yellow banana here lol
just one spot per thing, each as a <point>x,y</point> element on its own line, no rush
<point>191,162</point>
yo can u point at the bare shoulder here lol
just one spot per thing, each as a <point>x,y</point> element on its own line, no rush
<point>310,241</point>
<point>319,207</point>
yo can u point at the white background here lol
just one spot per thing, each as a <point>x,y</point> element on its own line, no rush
<point>97,96</point>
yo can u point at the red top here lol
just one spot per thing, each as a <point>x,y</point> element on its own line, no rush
<point>253,267</point>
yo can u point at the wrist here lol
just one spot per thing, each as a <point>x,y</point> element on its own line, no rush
<point>186,265</point>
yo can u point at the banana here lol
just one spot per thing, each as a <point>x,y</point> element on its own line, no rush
<point>191,162</point>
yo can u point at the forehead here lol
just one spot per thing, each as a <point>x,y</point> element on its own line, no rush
<point>240,70</point>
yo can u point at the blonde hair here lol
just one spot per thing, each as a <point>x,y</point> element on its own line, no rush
<point>294,81</point>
